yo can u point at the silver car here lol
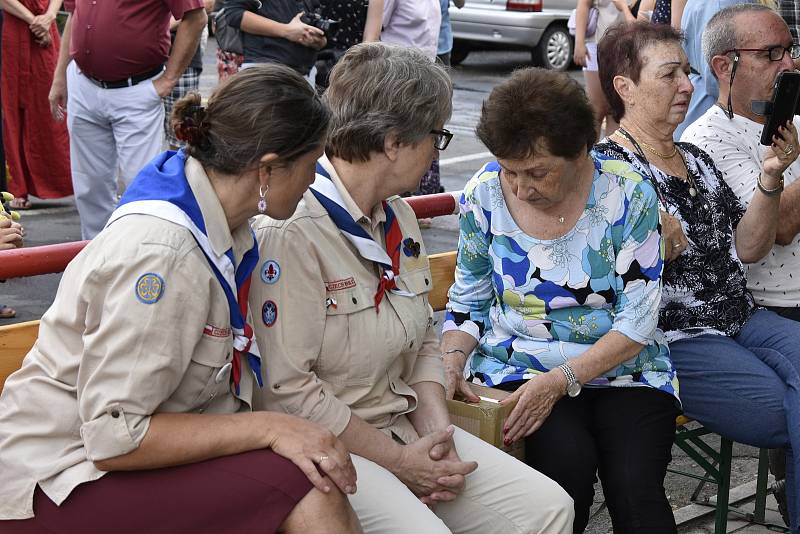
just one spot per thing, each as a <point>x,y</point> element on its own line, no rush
<point>537,25</point>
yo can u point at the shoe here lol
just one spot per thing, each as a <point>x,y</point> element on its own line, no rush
<point>777,466</point>
<point>7,313</point>
<point>779,492</point>
<point>19,203</point>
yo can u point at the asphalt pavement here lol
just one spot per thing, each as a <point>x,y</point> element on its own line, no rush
<point>57,221</point>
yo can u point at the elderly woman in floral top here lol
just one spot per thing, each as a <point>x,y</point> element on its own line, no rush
<point>556,296</point>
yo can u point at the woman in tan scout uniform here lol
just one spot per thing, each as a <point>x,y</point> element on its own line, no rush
<point>342,292</point>
<point>132,413</point>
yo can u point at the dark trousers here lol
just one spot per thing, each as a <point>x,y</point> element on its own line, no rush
<point>623,434</point>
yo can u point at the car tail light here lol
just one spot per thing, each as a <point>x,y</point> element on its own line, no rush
<point>523,5</point>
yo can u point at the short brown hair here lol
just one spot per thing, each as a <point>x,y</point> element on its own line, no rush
<point>264,109</point>
<point>619,53</point>
<point>377,88</point>
<point>536,105</point>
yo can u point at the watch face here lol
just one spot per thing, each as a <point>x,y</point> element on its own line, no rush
<point>573,389</point>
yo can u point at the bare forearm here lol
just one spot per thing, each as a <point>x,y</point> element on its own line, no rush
<point>366,441</point>
<point>186,40</point>
<point>676,12</point>
<point>177,439</point>
<point>789,215</point>
<point>431,413</point>
<point>458,340</point>
<point>258,25</point>
<point>755,233</point>
<point>53,7</point>
<point>63,54</point>
<point>15,8</point>
<point>372,28</point>
<point>581,20</point>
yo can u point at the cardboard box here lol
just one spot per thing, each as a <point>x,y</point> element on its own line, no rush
<point>486,418</point>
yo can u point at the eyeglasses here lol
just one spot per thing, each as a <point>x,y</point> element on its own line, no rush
<point>442,138</point>
<point>775,53</point>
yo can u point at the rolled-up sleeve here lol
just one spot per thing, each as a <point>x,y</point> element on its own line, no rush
<point>639,264</point>
<point>234,11</point>
<point>136,348</point>
<point>428,366</point>
<point>293,340</point>
<point>471,296</point>
<point>179,7</point>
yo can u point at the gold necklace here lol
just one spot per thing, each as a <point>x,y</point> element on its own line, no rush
<point>652,149</point>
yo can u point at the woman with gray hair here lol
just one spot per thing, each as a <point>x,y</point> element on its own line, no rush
<point>343,294</point>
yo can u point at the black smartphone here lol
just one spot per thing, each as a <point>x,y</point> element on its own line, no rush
<point>784,104</point>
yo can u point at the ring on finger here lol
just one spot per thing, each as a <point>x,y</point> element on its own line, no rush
<point>322,459</point>
<point>788,150</point>
<point>676,245</point>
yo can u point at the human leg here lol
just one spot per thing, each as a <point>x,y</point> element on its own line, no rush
<point>504,495</point>
<point>188,82</point>
<point>385,505</point>
<point>729,389</point>
<point>138,122</point>
<point>322,513</point>
<point>93,155</point>
<point>634,429</point>
<point>249,492</point>
<point>773,339</point>
<point>597,99</point>
<point>563,449</point>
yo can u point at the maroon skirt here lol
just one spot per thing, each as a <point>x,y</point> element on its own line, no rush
<point>249,492</point>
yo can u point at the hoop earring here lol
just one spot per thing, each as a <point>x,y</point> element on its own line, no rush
<point>262,200</point>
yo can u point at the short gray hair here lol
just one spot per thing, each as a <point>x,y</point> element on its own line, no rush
<point>720,33</point>
<point>377,88</point>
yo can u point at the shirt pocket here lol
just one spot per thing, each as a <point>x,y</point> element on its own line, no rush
<point>418,282</point>
<point>347,355</point>
<point>209,372</point>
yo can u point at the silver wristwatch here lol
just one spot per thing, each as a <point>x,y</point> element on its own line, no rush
<point>573,386</point>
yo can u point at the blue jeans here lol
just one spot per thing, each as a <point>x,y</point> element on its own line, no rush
<point>747,388</point>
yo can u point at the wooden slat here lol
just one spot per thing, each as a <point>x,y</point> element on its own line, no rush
<point>15,342</point>
<point>443,268</point>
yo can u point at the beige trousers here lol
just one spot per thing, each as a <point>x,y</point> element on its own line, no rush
<point>502,496</point>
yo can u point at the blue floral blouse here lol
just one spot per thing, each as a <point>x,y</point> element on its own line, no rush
<point>533,304</point>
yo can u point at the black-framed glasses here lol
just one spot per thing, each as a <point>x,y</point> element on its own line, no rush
<point>442,138</point>
<point>774,53</point>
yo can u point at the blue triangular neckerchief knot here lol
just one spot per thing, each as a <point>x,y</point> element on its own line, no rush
<point>162,190</point>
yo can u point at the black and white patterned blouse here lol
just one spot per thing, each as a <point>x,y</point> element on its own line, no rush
<point>352,16</point>
<point>704,288</point>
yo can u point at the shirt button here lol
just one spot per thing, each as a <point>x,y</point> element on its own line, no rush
<point>88,26</point>
<point>115,413</point>
<point>427,282</point>
<point>411,345</point>
<point>277,386</point>
<point>355,300</point>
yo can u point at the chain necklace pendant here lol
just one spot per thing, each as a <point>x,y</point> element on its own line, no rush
<point>561,220</point>
<point>692,192</point>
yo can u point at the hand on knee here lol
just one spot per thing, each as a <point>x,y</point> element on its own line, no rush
<point>322,513</point>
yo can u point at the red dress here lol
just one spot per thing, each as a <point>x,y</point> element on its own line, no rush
<point>36,146</point>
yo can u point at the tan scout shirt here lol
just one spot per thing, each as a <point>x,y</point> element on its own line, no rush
<point>324,362</point>
<point>105,361</point>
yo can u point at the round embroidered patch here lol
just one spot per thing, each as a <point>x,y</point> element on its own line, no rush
<point>269,313</point>
<point>149,288</point>
<point>270,272</point>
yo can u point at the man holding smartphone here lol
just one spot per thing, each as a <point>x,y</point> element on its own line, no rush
<point>747,48</point>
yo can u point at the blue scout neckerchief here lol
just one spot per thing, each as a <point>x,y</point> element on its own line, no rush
<point>162,190</point>
<point>326,193</point>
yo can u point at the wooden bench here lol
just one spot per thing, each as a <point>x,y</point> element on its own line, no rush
<point>692,439</point>
<point>17,339</point>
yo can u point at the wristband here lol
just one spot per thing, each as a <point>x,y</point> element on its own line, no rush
<point>451,351</point>
<point>770,192</point>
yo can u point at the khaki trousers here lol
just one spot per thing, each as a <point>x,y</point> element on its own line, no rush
<point>503,495</point>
